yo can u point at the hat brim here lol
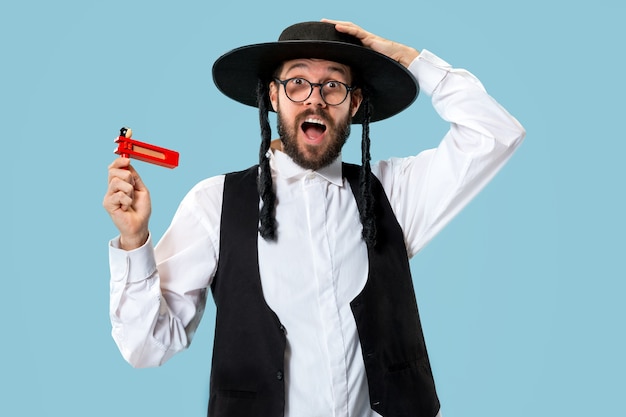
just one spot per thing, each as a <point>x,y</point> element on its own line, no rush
<point>392,88</point>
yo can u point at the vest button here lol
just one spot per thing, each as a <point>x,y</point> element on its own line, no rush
<point>279,375</point>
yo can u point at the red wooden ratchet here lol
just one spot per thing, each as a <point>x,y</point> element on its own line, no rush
<point>130,148</point>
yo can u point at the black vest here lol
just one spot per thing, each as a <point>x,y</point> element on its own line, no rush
<point>248,353</point>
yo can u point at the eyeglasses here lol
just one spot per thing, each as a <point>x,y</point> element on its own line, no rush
<point>299,89</point>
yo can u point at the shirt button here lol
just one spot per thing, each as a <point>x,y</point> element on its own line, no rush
<point>279,375</point>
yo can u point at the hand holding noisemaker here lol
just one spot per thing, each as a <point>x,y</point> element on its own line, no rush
<point>130,148</point>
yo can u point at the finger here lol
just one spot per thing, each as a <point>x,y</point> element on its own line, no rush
<point>121,168</point>
<point>137,181</point>
<point>117,201</point>
<point>349,28</point>
<point>120,162</point>
<point>368,39</point>
<point>118,187</point>
<point>343,23</point>
<point>119,184</point>
<point>122,201</point>
<point>121,174</point>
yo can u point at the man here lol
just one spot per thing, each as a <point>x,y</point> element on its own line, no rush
<point>307,257</point>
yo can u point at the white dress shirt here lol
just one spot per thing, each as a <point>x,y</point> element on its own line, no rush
<point>319,262</point>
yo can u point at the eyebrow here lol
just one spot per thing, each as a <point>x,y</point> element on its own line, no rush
<point>330,69</point>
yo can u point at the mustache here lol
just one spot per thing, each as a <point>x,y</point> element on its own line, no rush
<point>319,113</point>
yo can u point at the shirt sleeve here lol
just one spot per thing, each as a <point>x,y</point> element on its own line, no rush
<point>158,294</point>
<point>427,190</point>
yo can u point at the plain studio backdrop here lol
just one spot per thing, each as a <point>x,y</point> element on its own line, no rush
<point>521,296</point>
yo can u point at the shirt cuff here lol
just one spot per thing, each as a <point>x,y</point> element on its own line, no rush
<point>131,266</point>
<point>429,70</point>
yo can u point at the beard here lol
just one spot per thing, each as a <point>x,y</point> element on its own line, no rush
<point>310,156</point>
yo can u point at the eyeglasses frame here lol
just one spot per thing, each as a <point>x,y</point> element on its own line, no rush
<point>349,89</point>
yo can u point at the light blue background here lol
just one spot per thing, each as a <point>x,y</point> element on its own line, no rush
<point>522,296</point>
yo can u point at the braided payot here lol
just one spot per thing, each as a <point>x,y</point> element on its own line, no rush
<point>365,201</point>
<point>267,228</point>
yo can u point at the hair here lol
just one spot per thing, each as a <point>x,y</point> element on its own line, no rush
<point>365,200</point>
<point>267,227</point>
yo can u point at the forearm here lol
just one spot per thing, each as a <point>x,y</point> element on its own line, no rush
<point>153,316</point>
<point>138,311</point>
<point>460,98</point>
<point>158,295</point>
<point>429,189</point>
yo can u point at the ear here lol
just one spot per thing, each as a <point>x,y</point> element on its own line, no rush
<point>355,101</point>
<point>273,93</point>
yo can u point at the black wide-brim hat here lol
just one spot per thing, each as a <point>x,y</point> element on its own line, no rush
<point>391,87</point>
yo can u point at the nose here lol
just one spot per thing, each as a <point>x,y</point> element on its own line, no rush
<point>316,99</point>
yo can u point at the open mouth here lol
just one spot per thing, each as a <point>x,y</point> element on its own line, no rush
<point>313,128</point>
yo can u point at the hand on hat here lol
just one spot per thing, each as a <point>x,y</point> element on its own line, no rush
<point>396,51</point>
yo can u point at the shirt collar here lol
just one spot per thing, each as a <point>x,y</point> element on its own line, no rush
<point>282,163</point>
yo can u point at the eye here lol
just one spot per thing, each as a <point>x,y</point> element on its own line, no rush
<point>298,81</point>
<point>333,84</point>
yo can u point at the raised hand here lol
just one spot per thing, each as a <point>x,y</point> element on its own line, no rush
<point>396,51</point>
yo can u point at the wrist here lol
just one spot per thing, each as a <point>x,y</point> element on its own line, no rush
<point>131,242</point>
<point>408,56</point>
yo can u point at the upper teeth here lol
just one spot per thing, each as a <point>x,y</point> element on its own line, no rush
<point>316,121</point>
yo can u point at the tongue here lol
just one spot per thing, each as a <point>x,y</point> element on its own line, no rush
<point>313,131</point>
